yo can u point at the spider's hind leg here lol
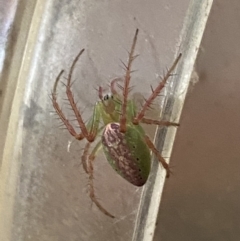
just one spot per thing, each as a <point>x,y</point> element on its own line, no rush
<point>92,194</point>
<point>158,155</point>
<point>159,122</point>
<point>126,88</point>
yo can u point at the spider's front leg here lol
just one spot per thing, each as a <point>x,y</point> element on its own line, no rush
<point>155,93</point>
<point>88,131</point>
<point>140,116</point>
<point>60,112</point>
<point>126,88</point>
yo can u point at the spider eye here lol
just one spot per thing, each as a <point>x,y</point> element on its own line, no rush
<point>107,97</point>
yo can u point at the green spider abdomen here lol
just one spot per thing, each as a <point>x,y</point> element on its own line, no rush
<point>127,152</point>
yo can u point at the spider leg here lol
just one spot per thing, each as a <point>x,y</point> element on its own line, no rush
<point>60,113</point>
<point>123,119</point>
<point>88,131</point>
<point>112,88</point>
<point>100,93</point>
<point>155,92</point>
<point>87,134</point>
<point>158,122</point>
<point>158,155</point>
<point>91,179</point>
<point>84,156</point>
<point>112,85</point>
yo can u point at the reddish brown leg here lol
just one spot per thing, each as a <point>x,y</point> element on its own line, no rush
<point>89,135</point>
<point>158,155</point>
<point>91,180</point>
<point>100,93</point>
<point>123,118</point>
<point>158,122</point>
<point>155,93</point>
<point>60,113</point>
<point>112,85</point>
<point>85,157</point>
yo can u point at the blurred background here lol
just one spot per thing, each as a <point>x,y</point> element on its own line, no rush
<point>202,203</point>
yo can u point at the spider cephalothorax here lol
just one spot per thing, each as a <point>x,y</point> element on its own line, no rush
<point>123,140</point>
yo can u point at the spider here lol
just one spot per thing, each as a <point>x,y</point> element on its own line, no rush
<point>123,139</point>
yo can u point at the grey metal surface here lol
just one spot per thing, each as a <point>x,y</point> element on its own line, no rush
<point>43,186</point>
